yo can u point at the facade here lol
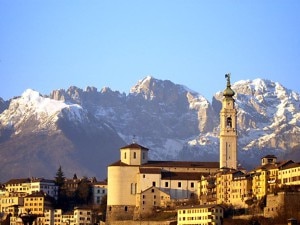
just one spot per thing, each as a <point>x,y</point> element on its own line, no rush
<point>99,191</point>
<point>201,215</point>
<point>289,175</point>
<point>37,203</point>
<point>267,178</point>
<point>208,190</point>
<point>228,129</point>
<point>153,199</point>
<point>82,216</point>
<point>233,188</point>
<point>46,186</point>
<point>18,185</point>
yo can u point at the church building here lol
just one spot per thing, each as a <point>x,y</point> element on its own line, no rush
<point>137,185</point>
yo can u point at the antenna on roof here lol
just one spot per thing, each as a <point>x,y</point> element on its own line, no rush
<point>134,139</point>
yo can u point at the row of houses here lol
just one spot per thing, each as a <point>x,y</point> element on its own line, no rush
<point>37,196</point>
<point>235,187</point>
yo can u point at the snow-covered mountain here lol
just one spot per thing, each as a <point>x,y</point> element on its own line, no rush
<point>82,130</point>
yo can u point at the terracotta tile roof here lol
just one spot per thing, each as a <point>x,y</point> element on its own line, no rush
<point>18,181</point>
<point>209,206</point>
<point>118,163</point>
<point>289,166</point>
<point>100,183</point>
<point>186,164</point>
<point>150,170</point>
<point>135,146</point>
<point>167,175</point>
<point>159,189</point>
<point>269,156</point>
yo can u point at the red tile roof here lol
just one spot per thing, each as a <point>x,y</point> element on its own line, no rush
<point>135,146</point>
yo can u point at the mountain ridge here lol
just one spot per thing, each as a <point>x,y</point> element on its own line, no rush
<point>73,127</point>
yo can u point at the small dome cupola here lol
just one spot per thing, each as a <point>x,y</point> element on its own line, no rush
<point>228,92</point>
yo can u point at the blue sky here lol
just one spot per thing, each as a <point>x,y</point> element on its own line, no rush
<point>47,45</point>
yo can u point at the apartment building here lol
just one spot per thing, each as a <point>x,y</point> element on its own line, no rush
<point>44,185</point>
<point>200,215</point>
<point>289,175</point>
<point>83,216</point>
<point>208,190</point>
<point>233,188</point>
<point>37,203</point>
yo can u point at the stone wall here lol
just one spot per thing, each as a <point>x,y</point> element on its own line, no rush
<point>119,213</point>
<point>283,202</point>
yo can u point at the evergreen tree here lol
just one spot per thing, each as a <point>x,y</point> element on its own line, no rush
<point>60,177</point>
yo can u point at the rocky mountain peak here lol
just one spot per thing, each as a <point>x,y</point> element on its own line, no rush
<point>171,120</point>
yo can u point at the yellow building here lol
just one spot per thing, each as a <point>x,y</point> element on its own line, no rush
<point>208,190</point>
<point>289,175</point>
<point>200,215</point>
<point>265,178</point>
<point>18,185</point>
<point>37,203</point>
<point>233,188</point>
<point>8,202</point>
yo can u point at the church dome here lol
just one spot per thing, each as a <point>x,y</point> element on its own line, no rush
<point>228,92</point>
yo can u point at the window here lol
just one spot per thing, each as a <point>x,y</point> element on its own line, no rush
<point>179,184</point>
<point>126,209</point>
<point>134,155</point>
<point>192,185</point>
<point>125,155</point>
<point>166,184</point>
<point>153,183</point>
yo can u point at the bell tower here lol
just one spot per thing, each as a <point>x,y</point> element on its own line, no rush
<point>228,129</point>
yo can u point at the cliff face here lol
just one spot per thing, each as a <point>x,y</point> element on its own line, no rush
<point>82,130</point>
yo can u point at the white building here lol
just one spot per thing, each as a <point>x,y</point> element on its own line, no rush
<point>99,191</point>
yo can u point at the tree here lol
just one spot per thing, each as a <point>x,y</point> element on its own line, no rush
<point>62,198</point>
<point>84,192</point>
<point>60,177</point>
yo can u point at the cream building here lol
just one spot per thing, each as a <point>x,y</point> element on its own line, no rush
<point>200,215</point>
<point>83,216</point>
<point>151,199</point>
